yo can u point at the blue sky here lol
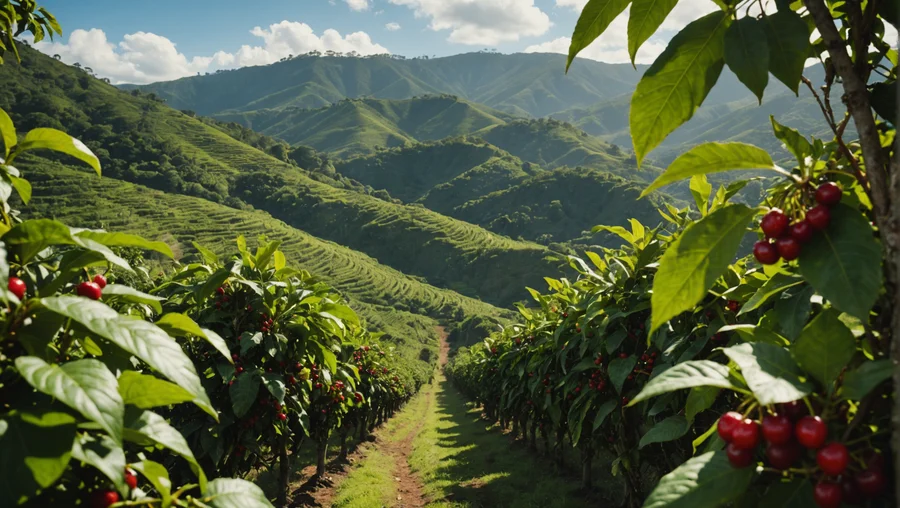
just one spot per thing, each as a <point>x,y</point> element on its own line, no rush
<point>139,41</point>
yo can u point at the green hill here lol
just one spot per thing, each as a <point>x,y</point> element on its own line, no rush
<point>141,140</point>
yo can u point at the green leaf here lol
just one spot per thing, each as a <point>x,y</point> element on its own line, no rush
<point>619,369</point>
<point>747,54</point>
<point>603,411</point>
<point>140,338</point>
<point>770,371</point>
<point>793,140</point>
<point>843,263</point>
<point>125,240</point>
<point>341,311</point>
<point>29,238</point>
<point>824,348</point>
<point>669,429</point>
<point>753,333</point>
<point>694,261</point>
<point>86,386</point>
<point>687,375</point>
<point>862,380</point>
<point>103,454</point>
<point>705,480</point>
<point>147,428</point>
<point>179,325</point>
<point>644,18</point>
<point>214,281</point>
<point>883,98</point>
<point>36,451</point>
<point>280,260</point>
<point>264,254</point>
<point>699,399</point>
<point>793,311</point>
<point>701,189</point>
<point>146,392</point>
<point>275,384</point>
<point>157,475</point>
<point>594,20</point>
<point>243,393</point>
<point>787,36</point>
<point>575,421</point>
<point>779,283</point>
<point>129,294</point>
<point>678,81</point>
<point>209,256</point>
<point>233,493</point>
<point>22,186</point>
<point>795,494</point>
<point>52,139</point>
<point>712,158</point>
<point>7,133</point>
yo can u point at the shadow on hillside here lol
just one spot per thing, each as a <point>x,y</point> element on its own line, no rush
<point>493,470</point>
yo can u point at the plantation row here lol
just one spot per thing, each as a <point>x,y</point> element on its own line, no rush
<point>118,386</point>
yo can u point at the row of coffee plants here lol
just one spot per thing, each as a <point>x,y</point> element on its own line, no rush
<point>711,380</point>
<point>111,395</point>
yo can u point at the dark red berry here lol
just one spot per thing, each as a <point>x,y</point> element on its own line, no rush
<point>745,434</point>
<point>811,432</point>
<point>777,429</point>
<point>828,194</point>
<point>282,416</point>
<point>788,248</point>
<point>104,498</point>
<point>100,280</point>
<point>782,456</point>
<point>819,217</point>
<point>17,287</point>
<point>828,495</point>
<point>833,459</point>
<point>870,482</point>
<point>774,224</point>
<point>733,305</point>
<point>765,252</point>
<point>623,355</point>
<point>852,495</point>
<point>130,479</point>
<point>625,401</point>
<point>727,423</point>
<point>739,457</point>
<point>794,410</point>
<point>89,290</point>
<point>802,231</point>
<point>220,290</point>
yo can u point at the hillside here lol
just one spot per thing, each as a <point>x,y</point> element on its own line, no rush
<point>359,126</point>
<point>143,141</point>
<point>520,84</point>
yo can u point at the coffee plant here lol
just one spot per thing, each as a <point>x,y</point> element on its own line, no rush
<point>715,377</point>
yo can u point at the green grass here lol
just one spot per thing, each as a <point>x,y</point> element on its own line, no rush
<point>372,484</point>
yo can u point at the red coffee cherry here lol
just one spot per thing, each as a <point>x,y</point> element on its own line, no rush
<point>739,457</point>
<point>100,280</point>
<point>788,248</point>
<point>765,252</point>
<point>819,217</point>
<point>828,495</point>
<point>17,287</point>
<point>833,459</point>
<point>745,435</point>
<point>727,423</point>
<point>774,223</point>
<point>89,290</point>
<point>811,432</point>
<point>828,194</point>
<point>777,429</point>
<point>802,231</point>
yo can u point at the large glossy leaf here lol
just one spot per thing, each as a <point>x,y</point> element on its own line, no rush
<point>36,448</point>
<point>793,141</point>
<point>234,493</point>
<point>694,261</point>
<point>687,375</point>
<point>620,369</point>
<point>179,325</point>
<point>275,384</point>
<point>747,54</point>
<point>644,19</point>
<point>125,240</point>
<point>27,239</point>
<point>243,393</point>
<point>794,494</point>
<point>140,338</point>
<point>52,139</point>
<point>103,454</point>
<point>788,39</point>
<point>147,428</point>
<point>669,429</point>
<point>712,158</point>
<point>209,256</point>
<point>603,411</point>
<point>824,348</point>
<point>129,294</point>
<point>86,386</point>
<point>594,20</point>
<point>678,81</point>
<point>146,392</point>
<point>7,133</point>
<point>843,263</point>
<point>705,480</point>
<point>792,311</point>
<point>779,283</point>
<point>157,475</point>
<point>700,399</point>
<point>863,379</point>
<point>770,371</point>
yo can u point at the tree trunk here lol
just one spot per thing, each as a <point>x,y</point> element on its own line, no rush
<point>587,455</point>
<point>345,431</point>
<point>534,425</point>
<point>885,184</point>
<point>321,453</point>
<point>284,473</point>
<point>363,425</point>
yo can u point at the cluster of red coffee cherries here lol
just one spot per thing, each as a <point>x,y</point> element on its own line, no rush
<point>785,240</point>
<point>787,441</point>
<point>222,298</point>
<point>92,289</point>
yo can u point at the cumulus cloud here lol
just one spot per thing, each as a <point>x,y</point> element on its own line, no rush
<point>393,27</point>
<point>358,5</point>
<point>146,57</point>
<point>481,22</point>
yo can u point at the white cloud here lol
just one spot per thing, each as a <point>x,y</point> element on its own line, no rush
<point>393,27</point>
<point>358,5</point>
<point>146,57</point>
<point>481,22</point>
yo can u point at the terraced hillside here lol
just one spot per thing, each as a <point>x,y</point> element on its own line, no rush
<point>143,141</point>
<point>391,301</point>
